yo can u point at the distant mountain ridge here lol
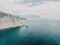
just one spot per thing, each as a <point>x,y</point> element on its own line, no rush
<point>31,17</point>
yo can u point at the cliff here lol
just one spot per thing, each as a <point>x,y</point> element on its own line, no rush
<point>8,21</point>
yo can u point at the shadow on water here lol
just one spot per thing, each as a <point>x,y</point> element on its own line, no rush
<point>9,36</point>
<point>33,35</point>
<point>7,31</point>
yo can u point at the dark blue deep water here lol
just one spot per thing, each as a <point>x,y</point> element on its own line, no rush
<point>38,32</point>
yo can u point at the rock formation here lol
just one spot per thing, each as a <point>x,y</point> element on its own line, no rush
<point>8,21</point>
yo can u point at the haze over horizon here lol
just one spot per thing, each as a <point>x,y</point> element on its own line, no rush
<point>49,9</point>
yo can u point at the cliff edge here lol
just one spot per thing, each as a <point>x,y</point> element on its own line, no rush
<point>9,21</point>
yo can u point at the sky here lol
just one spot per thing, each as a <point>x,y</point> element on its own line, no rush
<point>44,8</point>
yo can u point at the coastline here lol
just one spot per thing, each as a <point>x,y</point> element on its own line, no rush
<point>9,21</point>
<point>12,27</point>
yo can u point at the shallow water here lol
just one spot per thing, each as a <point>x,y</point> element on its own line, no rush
<point>37,33</point>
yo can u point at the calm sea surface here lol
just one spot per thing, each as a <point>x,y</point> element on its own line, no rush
<point>37,33</point>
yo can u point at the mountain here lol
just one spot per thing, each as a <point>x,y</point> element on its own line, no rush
<point>31,17</point>
<point>8,21</point>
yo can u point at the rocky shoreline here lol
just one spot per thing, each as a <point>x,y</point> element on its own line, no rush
<point>9,21</point>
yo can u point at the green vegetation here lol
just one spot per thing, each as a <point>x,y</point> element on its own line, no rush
<point>2,14</point>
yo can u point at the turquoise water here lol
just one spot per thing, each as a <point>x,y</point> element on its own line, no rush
<point>38,32</point>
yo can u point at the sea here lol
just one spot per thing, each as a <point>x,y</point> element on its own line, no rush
<point>37,32</point>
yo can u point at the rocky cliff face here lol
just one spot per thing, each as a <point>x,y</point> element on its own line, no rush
<point>8,21</point>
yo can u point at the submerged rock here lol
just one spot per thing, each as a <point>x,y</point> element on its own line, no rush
<point>8,21</point>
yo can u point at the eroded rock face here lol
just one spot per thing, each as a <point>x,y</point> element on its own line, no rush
<point>8,21</point>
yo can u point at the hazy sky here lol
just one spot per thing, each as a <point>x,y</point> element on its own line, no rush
<point>43,8</point>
